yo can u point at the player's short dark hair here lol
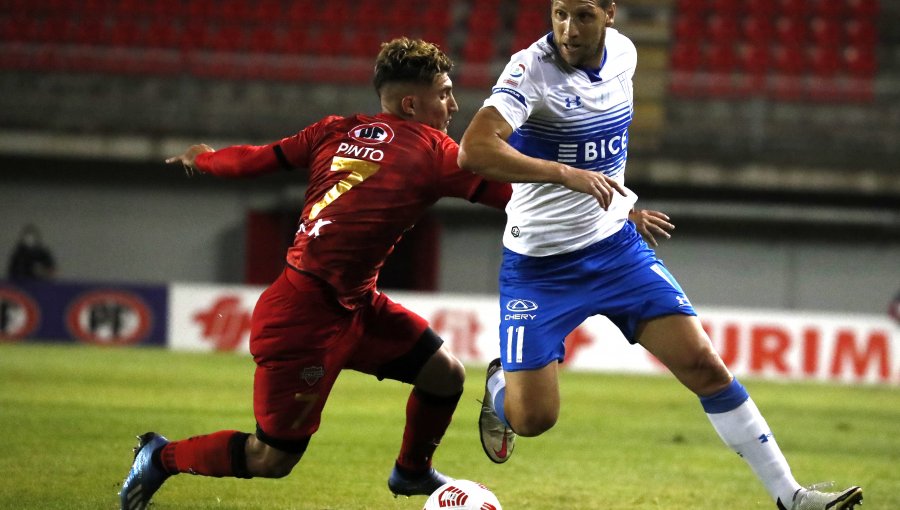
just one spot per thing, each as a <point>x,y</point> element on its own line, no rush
<point>411,61</point>
<point>603,4</point>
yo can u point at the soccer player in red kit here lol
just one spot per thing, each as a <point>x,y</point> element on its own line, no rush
<point>370,178</point>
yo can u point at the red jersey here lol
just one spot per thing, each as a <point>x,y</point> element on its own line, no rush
<point>370,179</point>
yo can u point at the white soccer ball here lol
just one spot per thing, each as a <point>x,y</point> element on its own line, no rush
<point>462,495</point>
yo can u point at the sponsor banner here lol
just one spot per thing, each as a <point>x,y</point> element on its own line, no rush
<point>101,314</point>
<point>211,317</point>
<point>754,343</point>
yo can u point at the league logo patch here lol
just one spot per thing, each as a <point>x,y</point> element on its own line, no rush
<point>514,73</point>
<point>372,134</point>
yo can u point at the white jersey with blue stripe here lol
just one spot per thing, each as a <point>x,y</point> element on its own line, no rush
<point>580,118</point>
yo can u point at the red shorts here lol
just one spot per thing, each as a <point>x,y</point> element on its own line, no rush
<point>301,338</point>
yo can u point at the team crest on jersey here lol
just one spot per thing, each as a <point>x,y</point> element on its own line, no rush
<point>372,134</point>
<point>311,375</point>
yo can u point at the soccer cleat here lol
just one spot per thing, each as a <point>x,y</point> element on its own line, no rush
<point>145,478</point>
<point>497,439</point>
<point>402,484</point>
<point>814,499</point>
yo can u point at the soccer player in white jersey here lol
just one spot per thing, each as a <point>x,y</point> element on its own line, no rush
<point>556,125</point>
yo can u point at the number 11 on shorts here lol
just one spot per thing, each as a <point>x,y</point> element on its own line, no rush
<point>514,341</point>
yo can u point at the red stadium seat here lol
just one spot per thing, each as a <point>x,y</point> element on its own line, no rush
<point>691,7</point>
<point>162,33</point>
<point>478,49</point>
<point>722,29</point>
<point>754,59</point>
<point>824,62</point>
<point>721,58</point>
<point>689,27</point>
<point>789,60</point>
<point>828,32</point>
<point>263,38</point>
<point>863,8</point>
<point>687,56</point>
<point>830,9</point>
<point>728,8</point>
<point>793,8</point>
<point>860,62</point>
<point>758,29</point>
<point>791,30</point>
<point>861,32</point>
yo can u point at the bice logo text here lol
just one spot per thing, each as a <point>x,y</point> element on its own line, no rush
<point>593,150</point>
<point>372,134</point>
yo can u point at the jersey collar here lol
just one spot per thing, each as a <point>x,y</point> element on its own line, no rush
<point>592,74</point>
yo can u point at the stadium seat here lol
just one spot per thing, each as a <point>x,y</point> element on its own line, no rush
<point>689,27</point>
<point>687,7</point>
<point>722,29</point>
<point>687,56</point>
<point>728,8</point>
<point>758,28</point>
<point>861,32</point>
<point>827,32</point>
<point>863,8</point>
<point>791,30</point>
<point>793,8</point>
<point>754,59</point>
<point>824,61</point>
<point>831,9</point>
<point>860,61</point>
<point>720,58</point>
<point>789,60</point>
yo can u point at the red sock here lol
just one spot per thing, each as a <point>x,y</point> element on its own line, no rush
<point>427,418</point>
<point>218,454</point>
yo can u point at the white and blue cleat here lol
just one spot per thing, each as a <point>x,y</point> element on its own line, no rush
<point>145,478</point>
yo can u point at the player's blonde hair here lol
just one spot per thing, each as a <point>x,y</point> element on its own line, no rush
<point>411,61</point>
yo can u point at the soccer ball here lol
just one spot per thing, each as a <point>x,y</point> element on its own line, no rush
<point>462,495</point>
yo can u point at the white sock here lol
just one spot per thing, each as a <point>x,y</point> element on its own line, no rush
<point>745,430</point>
<point>495,383</point>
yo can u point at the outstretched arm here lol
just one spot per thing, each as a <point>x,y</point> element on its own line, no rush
<point>235,161</point>
<point>484,150</point>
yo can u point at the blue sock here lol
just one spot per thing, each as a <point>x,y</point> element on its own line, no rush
<point>726,400</point>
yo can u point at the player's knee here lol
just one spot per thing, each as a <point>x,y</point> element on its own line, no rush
<point>276,468</point>
<point>710,373</point>
<point>455,374</point>
<point>533,423</point>
<point>442,375</point>
<point>265,461</point>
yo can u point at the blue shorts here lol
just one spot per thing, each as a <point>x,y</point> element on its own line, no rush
<point>543,299</point>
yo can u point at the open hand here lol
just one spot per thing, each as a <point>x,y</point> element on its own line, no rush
<point>188,157</point>
<point>602,187</point>
<point>651,224</point>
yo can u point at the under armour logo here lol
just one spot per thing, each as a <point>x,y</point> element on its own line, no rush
<point>573,102</point>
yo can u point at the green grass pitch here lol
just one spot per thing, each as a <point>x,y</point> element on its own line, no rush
<point>69,417</point>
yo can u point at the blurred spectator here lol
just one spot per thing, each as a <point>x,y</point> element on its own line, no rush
<point>31,260</point>
<point>894,308</point>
